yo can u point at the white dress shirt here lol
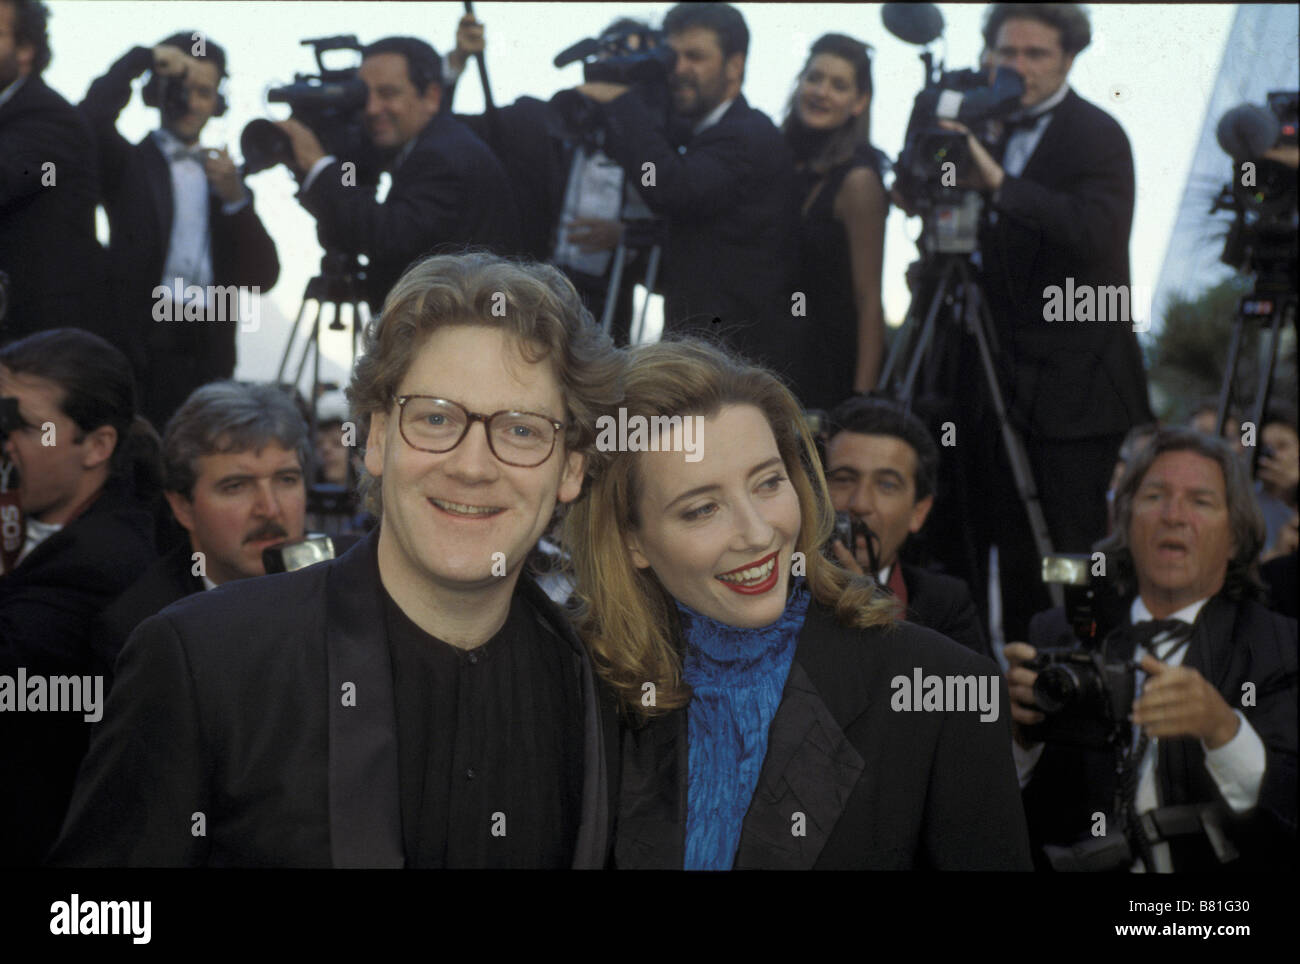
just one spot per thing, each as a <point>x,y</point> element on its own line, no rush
<point>1237,767</point>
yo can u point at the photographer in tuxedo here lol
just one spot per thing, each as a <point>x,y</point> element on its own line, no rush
<point>448,190</point>
<point>176,210</point>
<point>1210,777</point>
<point>1059,196</point>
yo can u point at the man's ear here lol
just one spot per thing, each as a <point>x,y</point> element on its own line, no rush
<point>734,69</point>
<point>433,97</point>
<point>100,445</point>
<point>376,439</point>
<point>182,509</point>
<point>919,512</point>
<point>575,467</point>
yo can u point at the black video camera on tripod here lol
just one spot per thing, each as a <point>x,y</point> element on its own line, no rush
<point>1262,239</point>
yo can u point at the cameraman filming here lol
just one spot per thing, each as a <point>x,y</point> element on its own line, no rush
<point>1059,192</point>
<point>447,187</point>
<point>1212,766</point>
<point>729,195</point>
<point>179,215</point>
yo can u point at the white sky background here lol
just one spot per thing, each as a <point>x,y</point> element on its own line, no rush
<point>1151,65</point>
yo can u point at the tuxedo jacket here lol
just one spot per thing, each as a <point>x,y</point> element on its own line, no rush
<point>47,604</point>
<point>47,215</point>
<point>878,789</point>
<point>173,358</point>
<point>1232,644</point>
<point>230,704</point>
<point>167,580</point>
<point>448,194</point>
<point>731,202</point>
<point>944,604</point>
<point>1068,215</point>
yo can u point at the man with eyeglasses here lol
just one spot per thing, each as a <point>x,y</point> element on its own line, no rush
<point>418,702</point>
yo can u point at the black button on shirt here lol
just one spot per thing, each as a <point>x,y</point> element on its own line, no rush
<point>506,719</point>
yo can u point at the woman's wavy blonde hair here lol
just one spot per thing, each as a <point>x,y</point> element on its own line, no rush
<point>627,618</point>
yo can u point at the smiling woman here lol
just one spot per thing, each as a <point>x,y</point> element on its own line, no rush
<point>754,665</point>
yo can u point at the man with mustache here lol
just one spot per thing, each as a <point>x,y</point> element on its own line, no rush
<point>234,461</point>
<point>722,177</point>
<point>448,189</point>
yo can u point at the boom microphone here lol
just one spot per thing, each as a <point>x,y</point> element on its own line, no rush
<point>913,23</point>
<point>1247,131</point>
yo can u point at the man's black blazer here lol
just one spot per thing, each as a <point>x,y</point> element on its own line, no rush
<point>173,358</point>
<point>1233,643</point>
<point>943,603</point>
<point>732,208</point>
<point>47,215</point>
<point>167,580</point>
<point>449,193</point>
<point>879,789</point>
<point>47,604</point>
<point>231,704</point>
<point>1068,216</point>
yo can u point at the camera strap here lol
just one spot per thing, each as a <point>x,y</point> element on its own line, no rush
<point>1187,819</point>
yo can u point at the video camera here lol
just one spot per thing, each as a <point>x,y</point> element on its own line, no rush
<point>330,103</point>
<point>630,53</point>
<point>968,97</point>
<point>1263,236</point>
<point>1085,696</point>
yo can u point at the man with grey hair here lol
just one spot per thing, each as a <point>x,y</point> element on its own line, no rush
<point>234,460</point>
<point>1208,779</point>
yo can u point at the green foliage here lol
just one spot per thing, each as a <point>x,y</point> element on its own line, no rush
<point>1186,362</point>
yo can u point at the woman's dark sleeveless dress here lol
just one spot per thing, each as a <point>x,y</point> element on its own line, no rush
<point>822,374</point>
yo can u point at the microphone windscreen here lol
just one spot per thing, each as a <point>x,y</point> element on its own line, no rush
<point>915,23</point>
<point>1247,130</point>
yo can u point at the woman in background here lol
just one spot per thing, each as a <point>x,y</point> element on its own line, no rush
<point>842,229</point>
<point>758,681</point>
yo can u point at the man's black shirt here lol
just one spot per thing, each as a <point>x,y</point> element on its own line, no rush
<point>489,745</point>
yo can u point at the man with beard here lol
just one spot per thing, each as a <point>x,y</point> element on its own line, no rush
<point>721,176</point>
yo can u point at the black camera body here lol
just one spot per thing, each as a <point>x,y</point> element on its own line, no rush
<point>331,103</point>
<point>1084,695</point>
<point>632,57</point>
<point>1263,235</point>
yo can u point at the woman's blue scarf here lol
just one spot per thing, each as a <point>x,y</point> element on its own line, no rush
<point>737,676</point>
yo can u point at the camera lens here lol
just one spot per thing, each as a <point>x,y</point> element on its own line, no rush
<point>1056,688</point>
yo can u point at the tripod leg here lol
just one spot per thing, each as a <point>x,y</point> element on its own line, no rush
<point>926,334</point>
<point>312,344</point>
<point>651,278</point>
<point>1283,312</point>
<point>981,323</point>
<point>1229,375</point>
<point>293,337</point>
<point>611,291</point>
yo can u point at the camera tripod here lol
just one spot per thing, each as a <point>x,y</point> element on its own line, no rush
<point>959,299</point>
<point>642,236</point>
<point>339,285</point>
<point>1271,304</point>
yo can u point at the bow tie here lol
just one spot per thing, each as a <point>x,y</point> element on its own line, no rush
<point>179,152</point>
<point>1024,123</point>
<point>1144,632</point>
